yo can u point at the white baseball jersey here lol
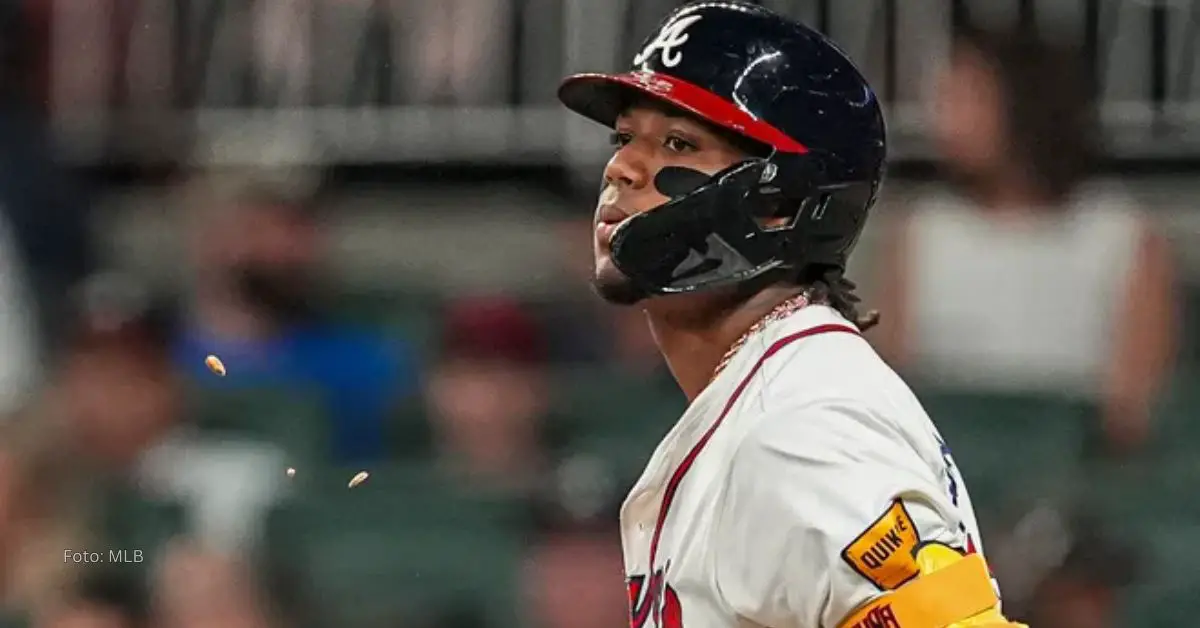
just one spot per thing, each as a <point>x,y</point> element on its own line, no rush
<point>793,490</point>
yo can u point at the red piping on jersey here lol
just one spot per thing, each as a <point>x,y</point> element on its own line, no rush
<point>682,469</point>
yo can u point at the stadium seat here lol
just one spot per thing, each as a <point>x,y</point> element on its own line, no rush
<point>1189,341</point>
<point>409,432</point>
<point>293,419</point>
<point>410,314</point>
<point>129,520</point>
<point>1177,427</point>
<point>1159,481</point>
<point>607,404</point>
<point>625,452</point>
<point>1166,593</point>
<point>405,543</point>
<point>618,418</point>
<point>1146,489</point>
<point>1012,447</point>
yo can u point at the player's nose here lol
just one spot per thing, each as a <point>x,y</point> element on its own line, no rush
<point>627,168</point>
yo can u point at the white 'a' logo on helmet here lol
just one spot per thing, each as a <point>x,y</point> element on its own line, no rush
<point>667,42</point>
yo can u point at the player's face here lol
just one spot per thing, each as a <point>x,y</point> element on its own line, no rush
<point>967,111</point>
<point>645,139</point>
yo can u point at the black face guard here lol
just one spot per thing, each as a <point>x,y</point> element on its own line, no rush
<point>709,234</point>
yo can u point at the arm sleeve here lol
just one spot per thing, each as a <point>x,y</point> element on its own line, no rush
<point>824,507</point>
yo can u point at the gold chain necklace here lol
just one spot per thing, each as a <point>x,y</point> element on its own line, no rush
<point>783,310</point>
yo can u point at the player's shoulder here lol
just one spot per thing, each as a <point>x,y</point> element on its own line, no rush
<point>831,391</point>
<point>818,357</point>
<point>837,431</point>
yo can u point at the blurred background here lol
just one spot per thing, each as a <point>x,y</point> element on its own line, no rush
<point>376,214</point>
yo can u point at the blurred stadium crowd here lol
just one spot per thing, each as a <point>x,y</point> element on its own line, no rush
<point>432,324</point>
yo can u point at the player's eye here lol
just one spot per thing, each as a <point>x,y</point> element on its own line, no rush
<point>619,138</point>
<point>677,144</point>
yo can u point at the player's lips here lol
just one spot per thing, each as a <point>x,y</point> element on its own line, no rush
<point>608,218</point>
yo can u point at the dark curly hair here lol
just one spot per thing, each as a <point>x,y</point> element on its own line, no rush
<point>14,52</point>
<point>825,285</point>
<point>1047,99</point>
<point>828,285</point>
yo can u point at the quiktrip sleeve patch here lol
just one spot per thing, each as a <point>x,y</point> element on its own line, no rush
<point>885,552</point>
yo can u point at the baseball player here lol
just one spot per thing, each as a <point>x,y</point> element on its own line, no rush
<point>804,487</point>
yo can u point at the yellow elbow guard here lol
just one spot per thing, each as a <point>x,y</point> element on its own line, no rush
<point>953,591</point>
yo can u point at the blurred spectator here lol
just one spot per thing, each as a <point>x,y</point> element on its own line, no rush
<point>451,45</point>
<point>201,589</point>
<point>21,364</point>
<point>256,301</point>
<point>43,509</point>
<point>45,247</point>
<point>115,389</point>
<point>573,570</point>
<point>119,402</point>
<point>488,393</point>
<point>1075,598</point>
<point>25,43</point>
<point>634,347</point>
<point>101,601</point>
<point>1062,571</point>
<point>45,207</point>
<point>585,329</point>
<point>1030,278</point>
<point>89,614</point>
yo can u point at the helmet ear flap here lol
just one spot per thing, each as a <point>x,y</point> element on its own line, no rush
<point>776,212</point>
<point>796,175</point>
<point>788,185</point>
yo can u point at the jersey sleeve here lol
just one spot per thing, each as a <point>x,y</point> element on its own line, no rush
<point>824,508</point>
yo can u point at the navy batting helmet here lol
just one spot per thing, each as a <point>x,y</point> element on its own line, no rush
<point>780,85</point>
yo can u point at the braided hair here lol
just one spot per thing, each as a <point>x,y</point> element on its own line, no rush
<point>828,285</point>
<point>822,285</point>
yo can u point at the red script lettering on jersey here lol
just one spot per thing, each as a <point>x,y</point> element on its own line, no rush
<point>654,602</point>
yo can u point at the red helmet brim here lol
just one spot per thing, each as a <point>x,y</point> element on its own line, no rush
<point>603,97</point>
